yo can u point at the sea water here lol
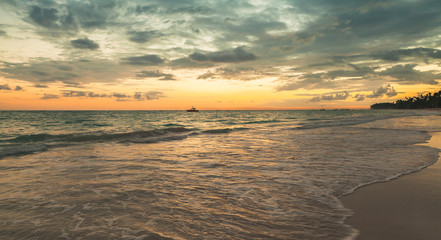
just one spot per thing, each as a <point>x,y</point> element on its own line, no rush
<point>205,175</point>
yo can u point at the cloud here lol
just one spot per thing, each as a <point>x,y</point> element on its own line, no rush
<point>18,88</point>
<point>46,17</point>
<point>332,97</point>
<point>97,95</point>
<point>85,94</point>
<point>399,54</point>
<point>74,94</point>
<point>360,97</point>
<point>84,43</point>
<point>407,74</point>
<point>49,96</point>
<point>2,33</point>
<point>305,81</point>
<point>142,36</point>
<point>40,71</point>
<point>229,56</point>
<point>235,73</point>
<point>5,87</point>
<point>70,17</point>
<point>145,60</point>
<point>187,62</point>
<point>354,77</point>
<point>140,96</point>
<point>120,95</point>
<point>386,90</point>
<point>156,74</point>
<point>71,73</point>
<point>152,95</point>
<point>40,86</point>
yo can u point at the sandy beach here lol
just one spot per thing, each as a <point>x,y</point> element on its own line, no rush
<point>408,207</point>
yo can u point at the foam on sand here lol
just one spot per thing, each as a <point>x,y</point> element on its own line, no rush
<point>404,208</point>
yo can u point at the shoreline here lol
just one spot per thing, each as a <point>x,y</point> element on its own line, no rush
<point>407,207</point>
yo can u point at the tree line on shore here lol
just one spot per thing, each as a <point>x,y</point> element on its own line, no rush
<point>429,100</point>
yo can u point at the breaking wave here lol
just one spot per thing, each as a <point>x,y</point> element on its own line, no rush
<point>26,144</point>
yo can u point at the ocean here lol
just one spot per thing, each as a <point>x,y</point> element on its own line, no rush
<point>206,175</point>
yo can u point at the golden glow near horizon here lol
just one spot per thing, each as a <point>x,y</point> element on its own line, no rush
<point>160,55</point>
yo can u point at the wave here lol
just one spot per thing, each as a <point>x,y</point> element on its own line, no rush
<point>263,121</point>
<point>22,149</point>
<point>170,125</point>
<point>224,130</point>
<point>252,122</point>
<point>86,137</point>
<point>27,144</point>
<point>317,123</point>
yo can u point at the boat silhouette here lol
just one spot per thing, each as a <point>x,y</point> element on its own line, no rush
<point>192,109</point>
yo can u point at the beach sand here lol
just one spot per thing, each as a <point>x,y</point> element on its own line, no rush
<point>408,207</point>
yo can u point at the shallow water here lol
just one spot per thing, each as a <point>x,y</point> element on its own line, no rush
<point>206,175</point>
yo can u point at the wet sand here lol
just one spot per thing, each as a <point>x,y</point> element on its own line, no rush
<point>408,207</point>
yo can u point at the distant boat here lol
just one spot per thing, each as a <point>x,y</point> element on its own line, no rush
<point>192,109</point>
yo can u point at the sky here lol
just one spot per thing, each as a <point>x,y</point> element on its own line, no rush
<point>216,54</point>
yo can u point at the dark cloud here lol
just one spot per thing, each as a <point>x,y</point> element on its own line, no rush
<point>97,95</point>
<point>138,96</point>
<point>46,17</point>
<point>49,96</point>
<point>94,14</point>
<point>397,55</point>
<point>175,8</point>
<point>5,87</point>
<point>407,74</point>
<point>70,93</point>
<point>145,60</point>
<point>152,95</point>
<point>235,73</point>
<point>332,97</point>
<point>386,90</point>
<point>40,86</point>
<point>74,94</point>
<point>142,36</point>
<point>156,74</point>
<point>306,81</point>
<point>360,25</point>
<point>70,73</point>
<point>359,75</point>
<point>38,72</point>
<point>189,63</point>
<point>2,33</point>
<point>18,88</point>
<point>380,92</point>
<point>229,56</point>
<point>360,97</point>
<point>120,95</point>
<point>73,16</point>
<point>84,43</point>
<point>193,10</point>
<point>146,9</point>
